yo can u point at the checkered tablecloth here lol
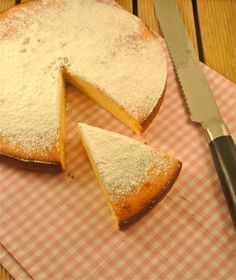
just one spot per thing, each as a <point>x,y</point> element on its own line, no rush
<point>57,226</point>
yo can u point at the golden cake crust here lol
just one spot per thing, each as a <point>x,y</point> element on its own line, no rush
<point>135,206</point>
<point>50,160</point>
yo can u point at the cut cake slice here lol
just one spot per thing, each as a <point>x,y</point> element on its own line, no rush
<point>132,175</point>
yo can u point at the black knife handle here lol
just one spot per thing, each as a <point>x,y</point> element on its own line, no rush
<point>224,155</point>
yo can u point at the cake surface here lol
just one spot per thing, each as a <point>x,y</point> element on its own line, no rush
<point>133,176</point>
<point>106,52</point>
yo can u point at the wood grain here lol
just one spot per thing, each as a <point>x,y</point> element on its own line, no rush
<point>4,275</point>
<point>127,4</point>
<point>6,4</point>
<point>217,20</point>
<point>147,14</point>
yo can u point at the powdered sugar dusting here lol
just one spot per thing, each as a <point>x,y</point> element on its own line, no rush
<point>93,41</point>
<point>123,163</point>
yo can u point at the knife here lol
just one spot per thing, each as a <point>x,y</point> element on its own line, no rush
<point>199,98</point>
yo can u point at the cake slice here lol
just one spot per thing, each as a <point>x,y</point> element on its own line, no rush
<point>133,176</point>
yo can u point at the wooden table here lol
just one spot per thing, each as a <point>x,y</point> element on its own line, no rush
<point>211,25</point>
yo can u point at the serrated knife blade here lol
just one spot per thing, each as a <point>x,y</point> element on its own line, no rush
<point>199,98</point>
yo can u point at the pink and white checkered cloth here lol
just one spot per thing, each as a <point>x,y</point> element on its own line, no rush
<point>57,226</point>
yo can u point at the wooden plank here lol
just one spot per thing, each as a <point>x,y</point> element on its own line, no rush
<point>217,26</point>
<point>147,14</point>
<point>127,4</point>
<point>4,275</point>
<point>6,4</point>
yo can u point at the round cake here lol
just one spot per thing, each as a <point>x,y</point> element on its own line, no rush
<point>104,51</point>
